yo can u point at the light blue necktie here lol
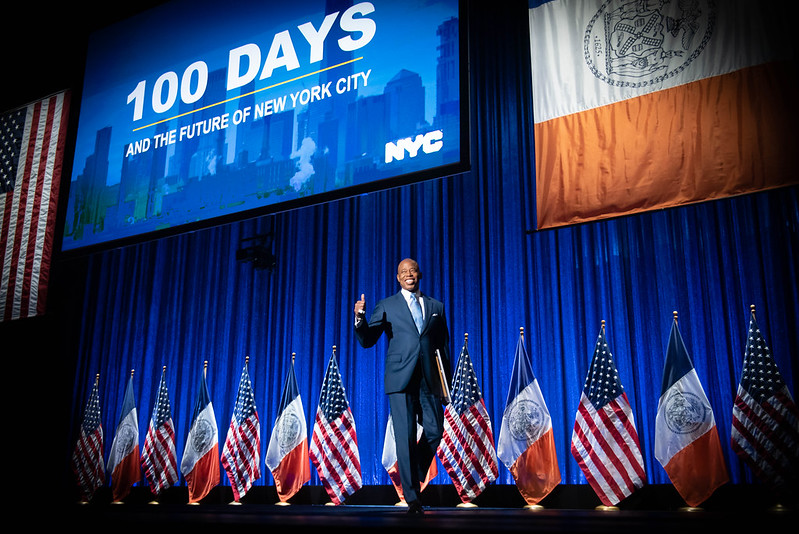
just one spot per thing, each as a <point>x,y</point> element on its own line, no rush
<point>416,311</point>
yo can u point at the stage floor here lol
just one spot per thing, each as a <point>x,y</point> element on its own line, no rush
<point>392,518</point>
<point>500,508</point>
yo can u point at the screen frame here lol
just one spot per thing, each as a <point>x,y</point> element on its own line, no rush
<point>374,186</point>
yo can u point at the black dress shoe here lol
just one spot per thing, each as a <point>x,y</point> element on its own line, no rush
<point>415,508</point>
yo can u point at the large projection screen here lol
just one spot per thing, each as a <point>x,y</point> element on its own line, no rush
<point>201,112</point>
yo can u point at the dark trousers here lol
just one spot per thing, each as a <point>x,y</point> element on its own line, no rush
<point>416,403</point>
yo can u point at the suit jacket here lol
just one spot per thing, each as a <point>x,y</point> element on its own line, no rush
<point>407,347</point>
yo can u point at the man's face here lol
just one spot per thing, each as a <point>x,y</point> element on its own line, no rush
<point>408,275</point>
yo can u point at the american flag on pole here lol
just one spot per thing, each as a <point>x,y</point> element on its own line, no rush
<point>334,443</point>
<point>765,420</point>
<point>241,454</point>
<point>159,457</point>
<point>604,440</point>
<point>87,458</point>
<point>31,153</point>
<point>467,451</point>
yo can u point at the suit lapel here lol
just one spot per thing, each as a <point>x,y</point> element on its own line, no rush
<point>401,302</point>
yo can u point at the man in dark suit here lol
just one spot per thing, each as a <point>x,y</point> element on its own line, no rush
<point>412,378</point>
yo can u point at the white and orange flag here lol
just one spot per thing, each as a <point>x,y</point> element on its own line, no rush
<point>687,441</point>
<point>526,443</point>
<point>389,460</point>
<point>287,456</point>
<point>200,462</point>
<point>123,461</point>
<point>642,105</point>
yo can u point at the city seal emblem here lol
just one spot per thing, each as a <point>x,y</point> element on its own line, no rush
<point>525,419</point>
<point>126,440</point>
<point>203,432</point>
<point>684,412</point>
<point>289,434</point>
<point>641,43</point>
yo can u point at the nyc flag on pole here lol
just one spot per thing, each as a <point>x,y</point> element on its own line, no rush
<point>287,454</point>
<point>32,142</point>
<point>686,438</point>
<point>526,443</point>
<point>642,105</point>
<point>200,462</point>
<point>467,450</point>
<point>765,420</point>
<point>87,457</point>
<point>604,440</point>
<point>123,461</point>
<point>241,454</point>
<point>390,462</point>
<point>334,443</point>
<point>159,457</point>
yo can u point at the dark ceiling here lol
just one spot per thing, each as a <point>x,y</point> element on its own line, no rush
<point>44,45</point>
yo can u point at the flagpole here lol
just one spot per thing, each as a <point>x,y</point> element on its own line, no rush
<point>84,498</point>
<point>234,502</point>
<point>533,507</point>
<point>602,507</point>
<point>686,508</point>
<point>163,372</point>
<point>465,504</point>
<point>279,502</point>
<point>330,503</point>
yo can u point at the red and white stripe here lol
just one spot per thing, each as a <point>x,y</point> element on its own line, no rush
<point>467,450</point>
<point>605,445</point>
<point>766,434</point>
<point>28,213</point>
<point>334,452</point>
<point>241,454</point>
<point>159,459</point>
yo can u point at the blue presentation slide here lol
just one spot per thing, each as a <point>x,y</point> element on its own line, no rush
<point>198,110</point>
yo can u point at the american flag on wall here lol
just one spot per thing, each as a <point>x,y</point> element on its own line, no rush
<point>334,444</point>
<point>467,451</point>
<point>159,458</point>
<point>241,454</point>
<point>31,153</point>
<point>765,419</point>
<point>605,441</point>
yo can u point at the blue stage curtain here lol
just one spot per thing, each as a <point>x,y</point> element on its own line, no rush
<point>183,300</point>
